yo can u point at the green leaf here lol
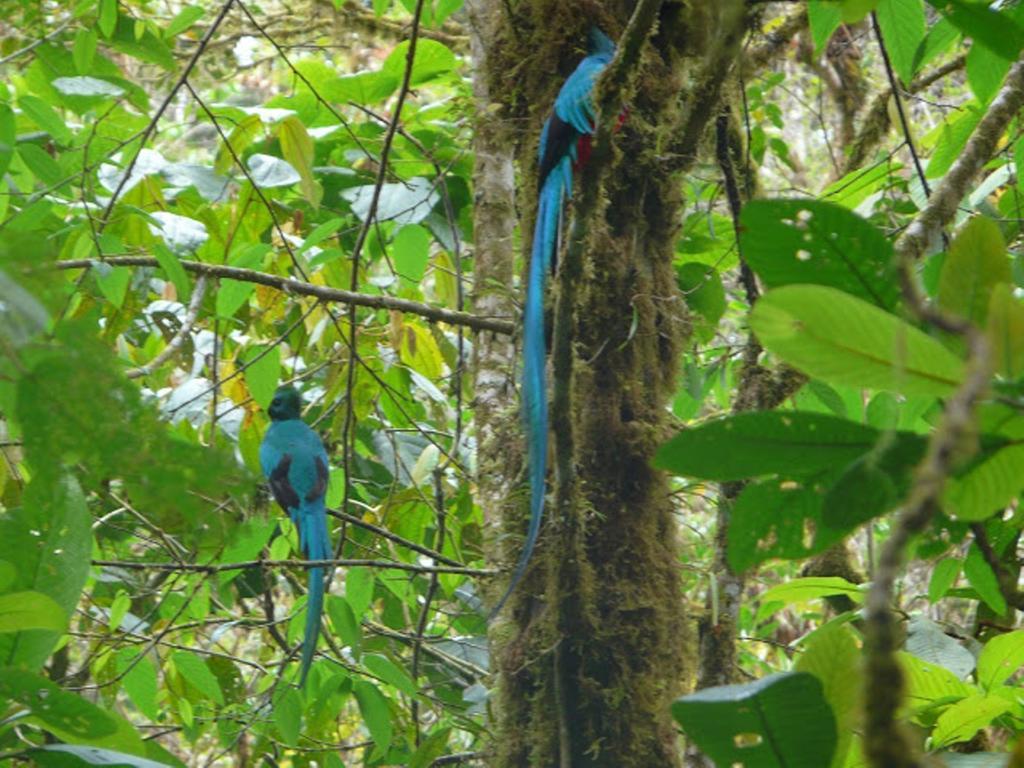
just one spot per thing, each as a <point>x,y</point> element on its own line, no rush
<point>140,682</point>
<point>195,671</point>
<point>953,137</point>
<point>345,624</point>
<point>108,17</point>
<point>855,187</point>
<point>30,610</point>
<point>175,272</point>
<point>811,588</point>
<point>430,749</point>
<point>389,672</point>
<point>704,294</point>
<point>64,713</point>
<point>288,716</point>
<point>903,29</point>
<point>231,295</point>
<point>824,17</point>
<point>777,519</point>
<point>986,71</point>
<point>944,576</point>
<point>376,713</point>
<point>875,483</point>
<point>365,88</point>
<point>960,721</point>
<point>847,342</point>
<point>997,31</point>
<point>84,50</point>
<point>411,252</point>
<point>359,590</point>
<point>43,115</point>
<point>855,10</point>
<point>70,756</point>
<point>8,137</point>
<point>981,576</point>
<point>929,683</point>
<point>832,655</point>
<point>43,166</point>
<point>940,37</point>
<point>297,148</point>
<point>1001,657</point>
<point>757,443</point>
<point>1005,331</point>
<point>49,542</point>
<point>8,573</point>
<point>780,721</point>
<point>113,282</point>
<point>321,233</point>
<point>987,487</point>
<point>262,374</point>
<point>184,19</point>
<point>806,241</point>
<point>241,137</point>
<point>977,261</point>
<point>432,60</point>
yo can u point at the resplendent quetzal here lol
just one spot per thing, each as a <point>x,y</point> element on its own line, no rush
<point>564,143</point>
<point>294,461</point>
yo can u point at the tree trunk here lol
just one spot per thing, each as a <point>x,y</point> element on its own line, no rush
<point>594,644</point>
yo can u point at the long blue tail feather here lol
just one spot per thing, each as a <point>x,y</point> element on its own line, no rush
<point>535,401</point>
<point>316,546</point>
<point>573,116</point>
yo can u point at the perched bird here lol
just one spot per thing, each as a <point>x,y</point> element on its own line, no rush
<point>564,144</point>
<point>294,461</point>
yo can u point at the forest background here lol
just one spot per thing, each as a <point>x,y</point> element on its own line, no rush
<point>787,349</point>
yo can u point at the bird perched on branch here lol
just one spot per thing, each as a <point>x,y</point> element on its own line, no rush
<point>294,462</point>
<point>564,146</point>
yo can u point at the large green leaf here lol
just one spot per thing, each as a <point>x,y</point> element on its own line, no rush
<point>995,30</point>
<point>777,519</point>
<point>960,721</point>
<point>832,655</point>
<point>376,713</point>
<point>976,263</point>
<point>757,443</point>
<point>1001,657</point>
<point>49,542</point>
<point>987,487</point>
<point>807,241</point>
<point>780,721</point>
<point>70,756</point>
<point>903,28</point>
<point>30,610</point>
<point>1005,329</point>
<point>66,715</point>
<point>846,341</point>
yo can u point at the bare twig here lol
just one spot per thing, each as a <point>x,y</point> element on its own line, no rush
<point>198,293</point>
<point>250,564</point>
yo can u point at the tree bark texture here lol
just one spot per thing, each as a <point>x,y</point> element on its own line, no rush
<point>594,644</point>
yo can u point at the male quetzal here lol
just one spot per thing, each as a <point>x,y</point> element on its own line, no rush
<point>294,461</point>
<point>564,143</point>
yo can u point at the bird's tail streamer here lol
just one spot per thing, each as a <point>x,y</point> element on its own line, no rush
<point>534,391</point>
<point>316,546</point>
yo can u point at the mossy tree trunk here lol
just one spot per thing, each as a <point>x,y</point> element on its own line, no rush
<point>595,644</point>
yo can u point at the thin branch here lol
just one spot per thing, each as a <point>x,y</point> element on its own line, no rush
<point>885,742</point>
<point>250,564</point>
<point>198,293</point>
<point>300,288</point>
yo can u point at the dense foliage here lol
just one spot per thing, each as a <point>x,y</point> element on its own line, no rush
<point>201,201</point>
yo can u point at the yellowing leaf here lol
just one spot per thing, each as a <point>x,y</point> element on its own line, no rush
<point>297,148</point>
<point>420,352</point>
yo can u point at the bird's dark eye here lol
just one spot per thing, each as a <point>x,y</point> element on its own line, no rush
<point>276,401</point>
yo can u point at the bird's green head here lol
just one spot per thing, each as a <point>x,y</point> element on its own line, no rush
<point>287,404</point>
